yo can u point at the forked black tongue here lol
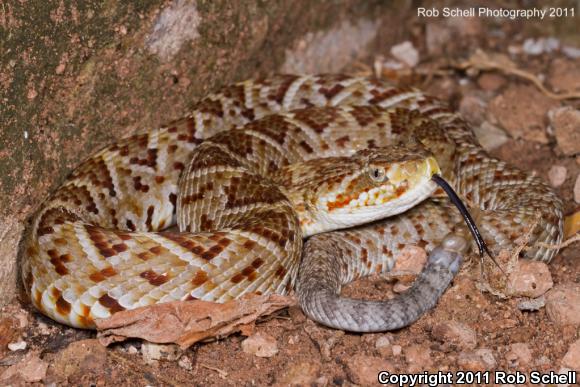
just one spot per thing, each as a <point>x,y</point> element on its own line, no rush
<point>466,216</point>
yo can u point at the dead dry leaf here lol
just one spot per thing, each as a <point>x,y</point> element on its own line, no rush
<point>187,322</point>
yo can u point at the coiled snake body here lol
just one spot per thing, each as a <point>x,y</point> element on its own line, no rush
<point>243,200</point>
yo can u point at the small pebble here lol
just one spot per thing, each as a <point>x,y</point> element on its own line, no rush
<point>557,175</point>
<point>152,352</point>
<point>532,304</point>
<point>455,333</point>
<point>17,346</point>
<point>563,304</point>
<point>185,362</point>
<point>406,53</point>
<point>529,279</point>
<point>418,358</point>
<point>565,121</point>
<point>519,355</point>
<point>364,369</point>
<point>480,360</point>
<point>490,136</point>
<point>572,357</point>
<point>383,341</point>
<point>303,373</point>
<point>261,345</point>
<point>397,350</point>
<point>540,46</point>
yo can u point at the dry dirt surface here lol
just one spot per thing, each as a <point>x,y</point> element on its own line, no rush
<point>534,327</point>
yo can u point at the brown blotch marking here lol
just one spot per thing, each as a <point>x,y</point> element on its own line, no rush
<point>364,255</point>
<point>85,310</point>
<point>206,223</point>
<point>400,190</point>
<point>278,94</point>
<point>212,107</point>
<point>57,262</point>
<point>110,303</point>
<point>387,251</point>
<point>420,230</point>
<point>224,242</point>
<point>237,278</point>
<point>304,145</point>
<point>130,225</point>
<point>400,246</point>
<point>364,115</point>
<point>330,93</point>
<point>159,179</point>
<point>145,255</point>
<point>60,241</point>
<point>149,219</point>
<point>191,298</point>
<point>422,243</point>
<point>154,278</point>
<point>342,141</point>
<point>247,271</point>
<point>65,257</point>
<point>316,118</point>
<point>156,250</point>
<point>256,263</point>
<point>101,275</point>
<point>44,231</point>
<point>199,278</point>
<point>281,272</point>
<point>249,244</point>
<point>120,247</point>
<point>178,166</point>
<point>213,252</point>
<point>63,307</point>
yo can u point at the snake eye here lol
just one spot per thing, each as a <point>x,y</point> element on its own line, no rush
<point>378,174</point>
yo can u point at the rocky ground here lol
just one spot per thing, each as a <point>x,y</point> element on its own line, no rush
<point>535,328</point>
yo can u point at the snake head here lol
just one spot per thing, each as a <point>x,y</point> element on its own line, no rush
<point>372,184</point>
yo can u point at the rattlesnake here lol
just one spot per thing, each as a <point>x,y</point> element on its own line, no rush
<point>105,240</point>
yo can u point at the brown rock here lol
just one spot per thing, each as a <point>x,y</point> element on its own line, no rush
<point>564,75</point>
<point>30,369</point>
<point>490,81</point>
<point>490,136</point>
<point>572,357</point>
<point>557,175</point>
<point>261,345</point>
<point>519,355</point>
<point>153,352</point>
<point>418,358</point>
<point>81,357</point>
<point>566,124</point>
<point>364,369</point>
<point>563,304</point>
<point>521,110</point>
<point>479,360</point>
<point>301,374</point>
<point>383,345</point>
<point>529,279</point>
<point>472,107</point>
<point>455,334</point>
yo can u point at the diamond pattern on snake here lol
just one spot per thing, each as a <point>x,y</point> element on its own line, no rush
<point>293,182</point>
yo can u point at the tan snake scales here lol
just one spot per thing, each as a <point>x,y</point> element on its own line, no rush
<point>97,246</point>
